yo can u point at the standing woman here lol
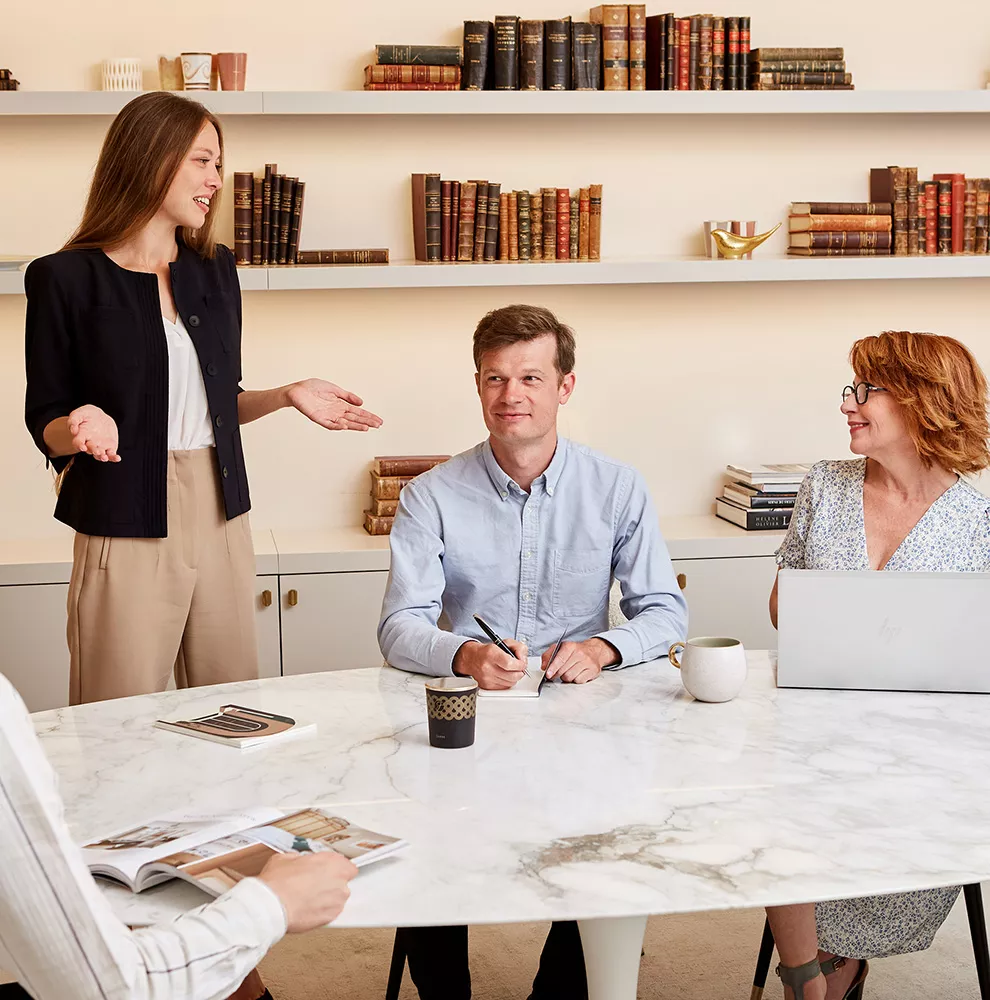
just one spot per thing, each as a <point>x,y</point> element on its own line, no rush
<point>133,352</point>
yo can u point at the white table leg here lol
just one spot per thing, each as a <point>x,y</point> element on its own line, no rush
<point>612,948</point>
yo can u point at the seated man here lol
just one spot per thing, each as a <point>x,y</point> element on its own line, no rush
<point>60,938</point>
<point>527,530</point>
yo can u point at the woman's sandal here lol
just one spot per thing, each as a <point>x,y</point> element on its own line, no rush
<point>798,975</point>
<point>855,991</point>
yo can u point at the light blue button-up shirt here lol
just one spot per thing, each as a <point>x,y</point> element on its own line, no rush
<point>467,540</point>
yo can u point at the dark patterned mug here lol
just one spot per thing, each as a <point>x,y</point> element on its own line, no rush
<point>451,707</point>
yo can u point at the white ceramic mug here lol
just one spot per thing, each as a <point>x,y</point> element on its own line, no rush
<point>196,70</point>
<point>712,668</point>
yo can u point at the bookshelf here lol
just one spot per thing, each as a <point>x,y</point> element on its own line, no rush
<point>661,271</point>
<point>358,102</point>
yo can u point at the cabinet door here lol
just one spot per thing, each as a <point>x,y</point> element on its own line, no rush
<point>266,613</point>
<point>330,621</point>
<point>34,655</point>
<point>730,597</point>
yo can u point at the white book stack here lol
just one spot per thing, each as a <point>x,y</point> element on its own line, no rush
<point>760,497</point>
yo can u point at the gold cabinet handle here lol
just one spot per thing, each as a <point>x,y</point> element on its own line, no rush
<point>682,580</point>
<point>292,598</point>
<point>266,598</point>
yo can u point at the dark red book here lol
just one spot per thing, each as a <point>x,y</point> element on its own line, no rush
<point>446,203</point>
<point>563,224</point>
<point>958,207</point>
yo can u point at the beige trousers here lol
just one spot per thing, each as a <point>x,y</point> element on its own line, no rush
<point>140,608</point>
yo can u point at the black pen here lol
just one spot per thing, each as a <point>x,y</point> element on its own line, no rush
<point>494,638</point>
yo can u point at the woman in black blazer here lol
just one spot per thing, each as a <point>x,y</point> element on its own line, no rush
<point>133,352</point>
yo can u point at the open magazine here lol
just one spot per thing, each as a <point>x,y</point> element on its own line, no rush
<point>216,852</point>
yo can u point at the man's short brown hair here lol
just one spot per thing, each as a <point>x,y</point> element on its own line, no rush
<point>516,324</point>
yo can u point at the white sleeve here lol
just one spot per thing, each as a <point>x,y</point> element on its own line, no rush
<point>58,934</point>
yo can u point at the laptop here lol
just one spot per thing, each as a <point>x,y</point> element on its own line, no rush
<point>883,631</point>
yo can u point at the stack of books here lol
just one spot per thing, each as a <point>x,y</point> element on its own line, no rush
<point>414,67</point>
<point>760,497</point>
<point>948,214</point>
<point>840,229</point>
<point>461,221</point>
<point>389,473</point>
<point>799,69</point>
<point>7,81</point>
<point>267,217</point>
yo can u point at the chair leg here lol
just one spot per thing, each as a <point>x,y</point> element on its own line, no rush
<point>397,967</point>
<point>763,963</point>
<point>978,930</point>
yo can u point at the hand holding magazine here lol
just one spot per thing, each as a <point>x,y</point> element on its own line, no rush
<point>216,852</point>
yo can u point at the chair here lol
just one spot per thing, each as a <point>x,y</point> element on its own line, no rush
<point>977,929</point>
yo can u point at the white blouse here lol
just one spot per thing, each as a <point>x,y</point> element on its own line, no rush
<point>189,424</point>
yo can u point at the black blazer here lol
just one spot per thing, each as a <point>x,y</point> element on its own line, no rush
<point>94,334</point>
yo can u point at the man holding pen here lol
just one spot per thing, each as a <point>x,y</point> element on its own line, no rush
<point>526,530</point>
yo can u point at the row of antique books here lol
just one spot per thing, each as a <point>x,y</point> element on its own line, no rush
<point>760,497</point>
<point>389,473</point>
<point>267,217</point>
<point>840,229</point>
<point>7,81</point>
<point>462,221</point>
<point>948,214</point>
<point>799,69</point>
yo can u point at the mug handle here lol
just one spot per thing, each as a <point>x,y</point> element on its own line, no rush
<point>672,656</point>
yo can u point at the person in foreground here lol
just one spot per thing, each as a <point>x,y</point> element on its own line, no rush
<point>527,530</point>
<point>917,416</point>
<point>59,936</point>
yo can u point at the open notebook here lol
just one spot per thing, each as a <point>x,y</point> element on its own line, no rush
<point>216,852</point>
<point>528,686</point>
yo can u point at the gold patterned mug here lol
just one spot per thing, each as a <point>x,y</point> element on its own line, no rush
<point>451,707</point>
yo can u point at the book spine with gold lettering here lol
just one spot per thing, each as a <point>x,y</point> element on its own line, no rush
<point>718,53</point>
<point>694,46</point>
<point>525,228</point>
<point>584,224</point>
<point>266,211</point>
<point>637,46</point>
<point>982,214</point>
<point>931,217</point>
<point>506,52</point>
<point>743,54</point>
<point>513,225</point>
<point>563,224</point>
<point>586,56</point>
<point>377,255</point>
<point>921,220</point>
<point>413,55</point>
<point>575,235</point>
<point>670,77</point>
<point>549,223</point>
<point>969,223</point>
<point>423,187</point>
<point>480,220</point>
<point>295,224</point>
<point>446,203</point>
<point>912,209</point>
<point>732,53</point>
<point>945,216</point>
<point>536,225</point>
<point>503,226</point>
<point>494,220</point>
<point>465,229</point>
<point>595,222</point>
<point>705,52</point>
<point>377,525</point>
<point>478,61</point>
<point>257,199</point>
<point>243,198</point>
<point>614,19</point>
<point>387,487</point>
<point>413,74</point>
<point>455,218</point>
<point>557,55</point>
<point>684,53</point>
<point>285,224</point>
<point>384,508</point>
<point>276,218</point>
<point>531,55</point>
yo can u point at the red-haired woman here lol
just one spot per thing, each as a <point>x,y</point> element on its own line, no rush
<point>133,345</point>
<point>917,416</point>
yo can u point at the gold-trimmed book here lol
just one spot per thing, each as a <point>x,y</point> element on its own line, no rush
<point>375,256</point>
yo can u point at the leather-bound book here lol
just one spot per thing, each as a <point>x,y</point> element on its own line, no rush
<point>718,53</point>
<point>257,199</point>
<point>412,86</point>
<point>418,190</point>
<point>838,223</point>
<point>455,218</point>
<point>614,19</point>
<point>285,221</point>
<point>465,229</point>
<point>413,74</point>
<point>760,80</point>
<point>958,207</point>
<point>266,211</point>
<point>595,223</point>
<point>513,225</point>
<point>705,52</point>
<point>944,216</point>
<point>377,525</point>
<point>743,56</point>
<point>796,66</point>
<point>912,210</point>
<point>851,239</point>
<point>584,224</point>
<point>694,42</point>
<point>982,214</point>
<point>384,508</point>
<point>921,220</point>
<point>656,51</point>
<point>295,223</point>
<point>832,252</point>
<point>387,487</point>
<point>506,52</point>
<point>557,54</point>
<point>670,79</point>
<point>276,219</point>
<point>478,61</point>
<point>563,224</point>
<point>549,223</point>
<point>931,217</point>
<point>243,197</point>
<point>503,226</point>
<point>637,46</point>
<point>427,213</point>
<point>732,53</point>
<point>969,218</point>
<point>536,225</point>
<point>575,233</point>
<point>480,220</point>
<point>494,219</point>
<point>684,53</point>
<point>446,203</point>
<point>586,56</point>
<point>412,55</point>
<point>783,55</point>
<point>531,53</point>
<point>524,224</point>
<point>841,208</point>
<point>406,465</point>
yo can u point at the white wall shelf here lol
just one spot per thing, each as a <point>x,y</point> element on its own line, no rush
<point>358,102</point>
<point>662,271</point>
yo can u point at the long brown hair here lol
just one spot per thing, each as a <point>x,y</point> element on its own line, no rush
<point>141,154</point>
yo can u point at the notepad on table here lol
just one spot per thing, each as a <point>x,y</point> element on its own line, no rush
<point>528,686</point>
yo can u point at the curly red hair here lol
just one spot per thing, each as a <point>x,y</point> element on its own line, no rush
<point>941,389</point>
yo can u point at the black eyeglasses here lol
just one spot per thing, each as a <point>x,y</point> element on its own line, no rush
<point>861,391</point>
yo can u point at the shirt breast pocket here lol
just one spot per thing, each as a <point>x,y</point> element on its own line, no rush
<point>581,579</point>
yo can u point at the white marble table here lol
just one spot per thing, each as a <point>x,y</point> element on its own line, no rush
<point>604,803</point>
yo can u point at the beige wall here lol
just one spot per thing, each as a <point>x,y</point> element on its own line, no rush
<point>677,379</point>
